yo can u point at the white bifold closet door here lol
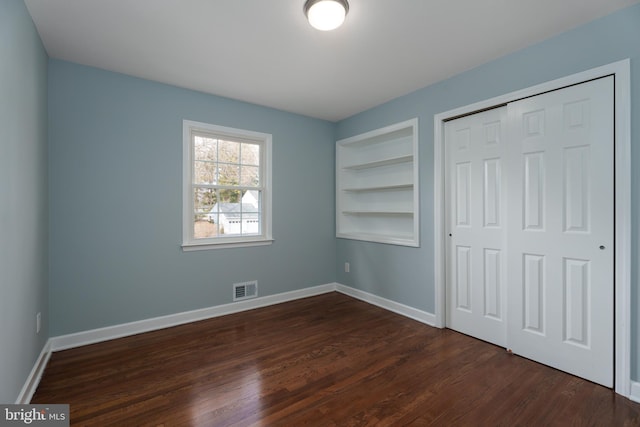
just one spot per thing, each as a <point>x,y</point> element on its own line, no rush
<point>560,243</point>
<point>476,259</point>
<point>553,269</point>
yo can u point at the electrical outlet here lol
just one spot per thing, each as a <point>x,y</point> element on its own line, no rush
<point>347,267</point>
<point>38,322</point>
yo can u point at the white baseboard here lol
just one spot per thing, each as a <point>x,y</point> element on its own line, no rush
<point>396,307</point>
<point>78,339</point>
<point>635,391</point>
<point>35,375</point>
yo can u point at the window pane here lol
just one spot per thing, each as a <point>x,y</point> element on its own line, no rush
<point>230,197</point>
<point>228,151</point>
<point>204,228</point>
<point>228,174</point>
<point>204,199</point>
<point>205,148</point>
<point>250,154</point>
<point>251,201</point>
<point>250,176</point>
<point>204,172</point>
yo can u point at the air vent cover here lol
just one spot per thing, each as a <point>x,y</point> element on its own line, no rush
<point>245,290</point>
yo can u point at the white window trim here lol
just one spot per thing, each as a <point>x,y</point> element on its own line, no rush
<point>188,242</point>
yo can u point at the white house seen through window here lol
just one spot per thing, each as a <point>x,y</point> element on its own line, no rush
<point>226,186</point>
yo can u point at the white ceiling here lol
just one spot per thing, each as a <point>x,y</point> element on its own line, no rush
<point>264,51</point>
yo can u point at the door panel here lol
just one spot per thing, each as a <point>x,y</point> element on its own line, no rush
<point>560,238</point>
<point>493,283</point>
<point>533,296</point>
<point>492,195</point>
<point>534,191</point>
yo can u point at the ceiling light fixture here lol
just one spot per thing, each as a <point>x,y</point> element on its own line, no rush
<point>326,15</point>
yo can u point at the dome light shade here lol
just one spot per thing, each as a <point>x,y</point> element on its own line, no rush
<point>326,15</point>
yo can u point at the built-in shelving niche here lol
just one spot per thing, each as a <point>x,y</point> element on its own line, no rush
<point>377,197</point>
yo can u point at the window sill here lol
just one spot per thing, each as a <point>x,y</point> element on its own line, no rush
<point>189,247</point>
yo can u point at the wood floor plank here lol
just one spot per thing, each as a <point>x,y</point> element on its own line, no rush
<point>328,360</point>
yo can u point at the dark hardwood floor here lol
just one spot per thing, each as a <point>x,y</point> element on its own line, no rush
<point>328,360</point>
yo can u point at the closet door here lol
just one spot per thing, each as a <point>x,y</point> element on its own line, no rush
<point>560,237</point>
<point>476,259</point>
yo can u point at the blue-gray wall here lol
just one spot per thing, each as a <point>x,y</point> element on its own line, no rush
<point>406,275</point>
<point>114,190</point>
<point>115,164</point>
<point>23,196</point>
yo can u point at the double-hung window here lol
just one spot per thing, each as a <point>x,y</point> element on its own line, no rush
<point>226,187</point>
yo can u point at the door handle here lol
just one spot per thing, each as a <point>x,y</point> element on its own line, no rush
<point>602,248</point>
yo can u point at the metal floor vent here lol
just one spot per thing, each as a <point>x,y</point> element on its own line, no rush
<point>245,290</point>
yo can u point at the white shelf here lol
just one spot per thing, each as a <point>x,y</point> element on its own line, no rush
<point>379,163</point>
<point>380,188</point>
<point>406,213</point>
<point>397,239</point>
<point>377,195</point>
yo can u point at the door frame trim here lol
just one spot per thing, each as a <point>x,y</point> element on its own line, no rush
<point>622,183</point>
